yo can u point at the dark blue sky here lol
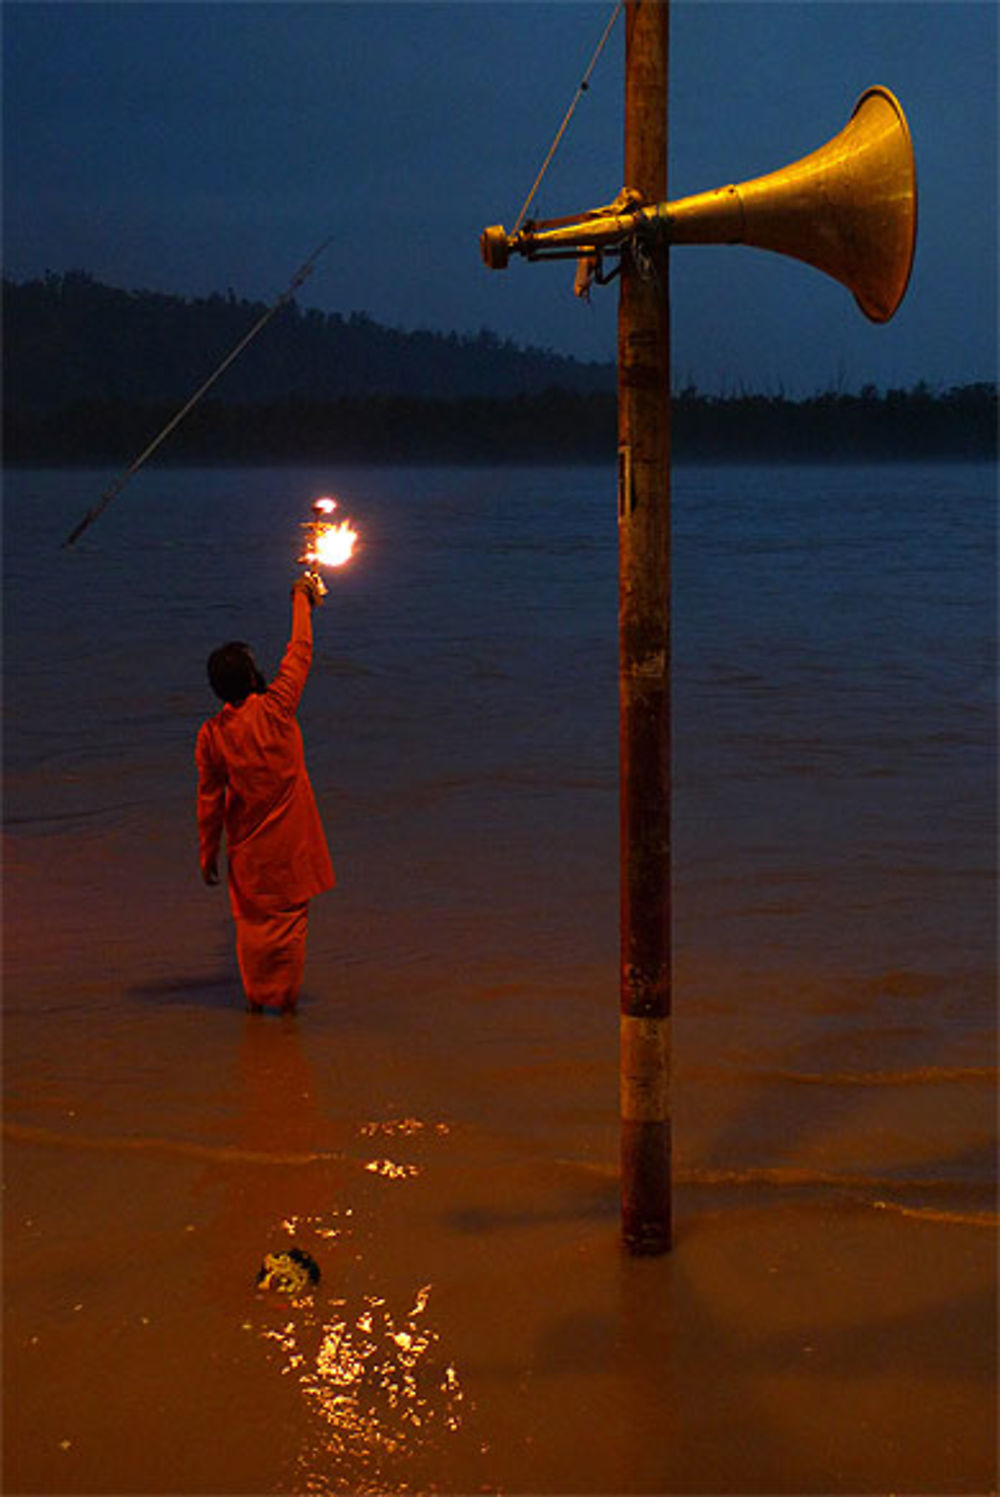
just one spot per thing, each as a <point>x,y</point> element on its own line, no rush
<point>193,147</point>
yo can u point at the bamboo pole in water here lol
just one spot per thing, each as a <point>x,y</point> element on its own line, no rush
<point>644,654</point>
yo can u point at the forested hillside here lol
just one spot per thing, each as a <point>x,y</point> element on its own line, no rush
<point>93,373</point>
<point>69,338</point>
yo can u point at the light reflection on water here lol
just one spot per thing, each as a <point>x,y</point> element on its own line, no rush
<point>381,1394</point>
<point>390,1170</point>
<point>381,1398</point>
<point>402,1127</point>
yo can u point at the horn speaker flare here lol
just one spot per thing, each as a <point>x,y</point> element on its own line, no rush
<point>848,209</point>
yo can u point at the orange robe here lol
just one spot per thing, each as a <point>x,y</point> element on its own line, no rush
<point>253,784</point>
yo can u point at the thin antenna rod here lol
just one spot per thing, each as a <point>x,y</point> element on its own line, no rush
<point>115,488</point>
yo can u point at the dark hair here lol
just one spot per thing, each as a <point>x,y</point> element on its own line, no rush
<point>233,672</point>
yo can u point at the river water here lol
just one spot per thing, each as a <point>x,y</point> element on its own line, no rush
<point>438,1126</point>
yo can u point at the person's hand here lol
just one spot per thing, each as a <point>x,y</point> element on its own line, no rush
<point>210,872</point>
<point>312,586</point>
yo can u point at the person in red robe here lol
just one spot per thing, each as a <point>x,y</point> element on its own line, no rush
<point>253,785</point>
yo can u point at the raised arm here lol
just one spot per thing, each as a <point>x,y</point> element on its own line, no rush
<point>285,690</point>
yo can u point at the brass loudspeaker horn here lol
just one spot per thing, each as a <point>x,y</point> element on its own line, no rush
<point>849,209</point>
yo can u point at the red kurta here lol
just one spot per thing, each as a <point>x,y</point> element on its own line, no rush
<point>252,782</point>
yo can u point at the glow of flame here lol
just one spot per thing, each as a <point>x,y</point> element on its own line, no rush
<point>331,544</point>
<point>328,542</point>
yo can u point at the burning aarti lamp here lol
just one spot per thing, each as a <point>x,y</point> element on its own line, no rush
<point>328,542</point>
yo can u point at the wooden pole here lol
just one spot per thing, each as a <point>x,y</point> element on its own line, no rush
<point>644,654</point>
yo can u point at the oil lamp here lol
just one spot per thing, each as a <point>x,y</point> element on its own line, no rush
<point>328,542</point>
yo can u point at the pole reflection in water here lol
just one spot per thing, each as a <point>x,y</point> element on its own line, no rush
<point>379,1401</point>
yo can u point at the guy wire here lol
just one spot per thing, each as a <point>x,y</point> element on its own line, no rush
<point>115,488</point>
<point>581,90</point>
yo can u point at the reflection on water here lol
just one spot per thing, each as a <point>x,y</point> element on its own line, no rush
<point>380,1393</point>
<point>401,1128</point>
<point>392,1171</point>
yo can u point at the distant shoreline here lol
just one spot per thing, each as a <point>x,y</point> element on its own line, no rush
<point>94,373</point>
<point>559,426</point>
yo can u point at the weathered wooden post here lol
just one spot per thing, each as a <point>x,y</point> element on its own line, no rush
<point>644,651</point>
<point>849,209</point>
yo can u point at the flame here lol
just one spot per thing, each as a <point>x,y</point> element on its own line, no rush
<point>329,543</point>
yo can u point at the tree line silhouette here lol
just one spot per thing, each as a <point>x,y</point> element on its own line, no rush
<point>70,338</point>
<point>93,373</point>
